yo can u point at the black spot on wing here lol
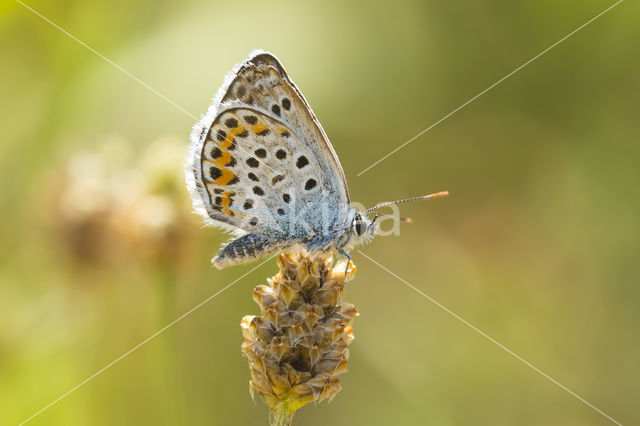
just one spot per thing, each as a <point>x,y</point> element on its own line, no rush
<point>215,173</point>
<point>215,153</point>
<point>311,183</point>
<point>302,161</point>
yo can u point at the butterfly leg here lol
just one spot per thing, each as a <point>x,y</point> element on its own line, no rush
<point>348,256</point>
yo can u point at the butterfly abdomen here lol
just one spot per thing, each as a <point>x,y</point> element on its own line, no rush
<point>247,248</point>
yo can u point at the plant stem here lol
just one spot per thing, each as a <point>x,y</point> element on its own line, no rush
<point>281,416</point>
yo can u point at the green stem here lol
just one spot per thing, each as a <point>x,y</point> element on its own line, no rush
<point>281,416</point>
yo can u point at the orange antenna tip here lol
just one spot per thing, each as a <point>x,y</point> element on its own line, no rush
<point>406,200</point>
<point>437,195</point>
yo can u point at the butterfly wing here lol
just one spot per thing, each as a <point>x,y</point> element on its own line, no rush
<point>259,160</point>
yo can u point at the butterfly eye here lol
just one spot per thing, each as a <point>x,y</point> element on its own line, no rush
<point>360,226</point>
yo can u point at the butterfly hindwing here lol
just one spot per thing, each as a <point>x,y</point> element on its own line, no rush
<point>258,175</point>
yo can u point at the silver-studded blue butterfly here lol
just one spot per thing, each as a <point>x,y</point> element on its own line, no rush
<point>261,165</point>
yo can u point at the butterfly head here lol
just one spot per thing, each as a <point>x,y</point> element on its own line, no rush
<point>363,229</point>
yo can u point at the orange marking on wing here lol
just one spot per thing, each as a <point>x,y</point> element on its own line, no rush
<point>281,129</point>
<point>223,160</point>
<point>227,142</point>
<point>226,199</point>
<point>257,128</point>
<point>226,177</point>
<point>237,130</point>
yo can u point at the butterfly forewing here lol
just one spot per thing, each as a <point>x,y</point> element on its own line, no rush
<point>262,82</point>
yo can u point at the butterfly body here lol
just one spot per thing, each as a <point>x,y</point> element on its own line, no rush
<point>260,165</point>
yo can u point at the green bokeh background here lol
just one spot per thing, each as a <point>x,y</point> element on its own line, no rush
<point>537,245</point>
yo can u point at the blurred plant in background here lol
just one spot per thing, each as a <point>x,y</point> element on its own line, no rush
<point>117,214</point>
<point>111,201</point>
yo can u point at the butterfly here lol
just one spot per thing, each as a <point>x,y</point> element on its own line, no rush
<point>261,166</point>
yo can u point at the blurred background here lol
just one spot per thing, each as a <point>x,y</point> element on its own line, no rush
<point>537,245</point>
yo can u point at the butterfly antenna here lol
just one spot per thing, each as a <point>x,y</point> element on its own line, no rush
<point>406,200</point>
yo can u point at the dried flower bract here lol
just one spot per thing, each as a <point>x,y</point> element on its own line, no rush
<point>299,343</point>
